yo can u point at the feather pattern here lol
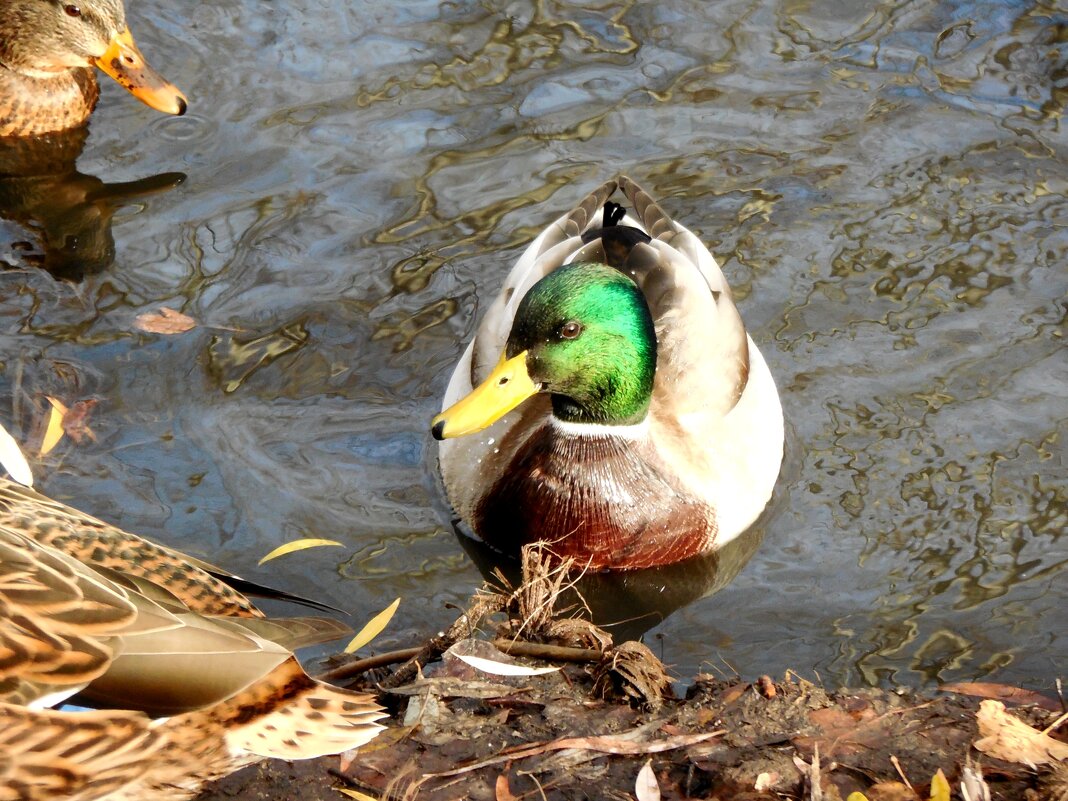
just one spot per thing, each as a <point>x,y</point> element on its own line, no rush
<point>90,609</point>
<point>714,431</point>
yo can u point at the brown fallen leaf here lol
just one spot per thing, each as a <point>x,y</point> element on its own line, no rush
<point>1005,737</point>
<point>164,321</point>
<point>75,420</point>
<point>502,791</point>
<point>1002,692</point>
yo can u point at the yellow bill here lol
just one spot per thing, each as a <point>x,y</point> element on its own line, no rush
<point>124,62</point>
<point>506,387</point>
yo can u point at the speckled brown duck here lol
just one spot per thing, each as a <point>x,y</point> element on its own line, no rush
<point>139,628</point>
<point>48,49</point>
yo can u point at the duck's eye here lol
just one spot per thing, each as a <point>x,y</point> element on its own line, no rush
<point>72,10</point>
<point>570,329</point>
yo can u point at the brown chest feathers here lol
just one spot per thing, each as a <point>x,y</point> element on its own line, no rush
<point>31,106</point>
<point>608,502</point>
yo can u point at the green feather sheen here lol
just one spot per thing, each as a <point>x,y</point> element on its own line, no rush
<point>605,374</point>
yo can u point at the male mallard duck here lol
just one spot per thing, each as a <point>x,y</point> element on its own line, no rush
<point>47,51</point>
<point>88,608</point>
<point>629,421</point>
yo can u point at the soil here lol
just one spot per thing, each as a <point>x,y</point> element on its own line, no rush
<point>586,730</point>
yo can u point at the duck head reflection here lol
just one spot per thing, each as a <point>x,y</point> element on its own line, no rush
<point>61,218</point>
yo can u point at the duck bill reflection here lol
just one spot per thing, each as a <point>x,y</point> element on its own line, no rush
<point>124,62</point>
<point>506,387</point>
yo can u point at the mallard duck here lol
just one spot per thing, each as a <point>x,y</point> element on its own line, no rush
<point>48,49</point>
<point>90,609</point>
<point>625,415</point>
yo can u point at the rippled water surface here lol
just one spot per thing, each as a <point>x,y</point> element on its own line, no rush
<point>884,184</point>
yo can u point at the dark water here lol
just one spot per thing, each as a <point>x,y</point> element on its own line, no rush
<point>884,185</point>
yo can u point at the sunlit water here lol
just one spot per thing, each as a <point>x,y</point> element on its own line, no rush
<point>883,185</point>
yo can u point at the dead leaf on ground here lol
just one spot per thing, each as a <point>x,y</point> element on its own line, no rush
<point>502,791</point>
<point>1005,737</point>
<point>646,787</point>
<point>355,794</point>
<point>939,787</point>
<point>164,321</point>
<point>1002,692</point>
<point>844,733</point>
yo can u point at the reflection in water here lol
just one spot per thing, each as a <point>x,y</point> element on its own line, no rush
<point>630,602</point>
<point>884,184</point>
<point>65,214</point>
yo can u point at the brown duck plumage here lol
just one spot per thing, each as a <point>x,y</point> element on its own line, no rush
<point>88,608</point>
<point>47,54</point>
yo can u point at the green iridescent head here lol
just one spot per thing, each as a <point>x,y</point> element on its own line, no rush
<point>590,343</point>
<point>584,335</point>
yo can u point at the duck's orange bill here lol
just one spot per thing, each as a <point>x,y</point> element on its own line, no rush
<point>506,387</point>
<point>124,62</point>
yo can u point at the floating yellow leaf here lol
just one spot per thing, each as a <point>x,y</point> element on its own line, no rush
<point>939,787</point>
<point>54,432</point>
<point>12,459</point>
<point>298,545</point>
<point>373,628</point>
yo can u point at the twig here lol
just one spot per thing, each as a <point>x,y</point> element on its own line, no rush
<point>900,772</point>
<point>560,653</point>
<point>357,666</point>
<point>1055,723</point>
<point>609,744</point>
<point>464,626</point>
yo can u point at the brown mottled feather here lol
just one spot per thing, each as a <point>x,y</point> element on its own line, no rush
<point>30,106</point>
<point>96,543</point>
<point>45,755</point>
<point>103,627</point>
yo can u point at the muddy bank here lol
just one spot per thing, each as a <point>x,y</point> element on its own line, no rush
<point>586,730</point>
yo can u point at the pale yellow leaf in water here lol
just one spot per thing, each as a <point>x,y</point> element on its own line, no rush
<point>12,459</point>
<point>503,668</point>
<point>939,787</point>
<point>355,794</point>
<point>373,628</point>
<point>646,788</point>
<point>298,545</point>
<point>1003,736</point>
<point>164,321</point>
<point>54,432</point>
